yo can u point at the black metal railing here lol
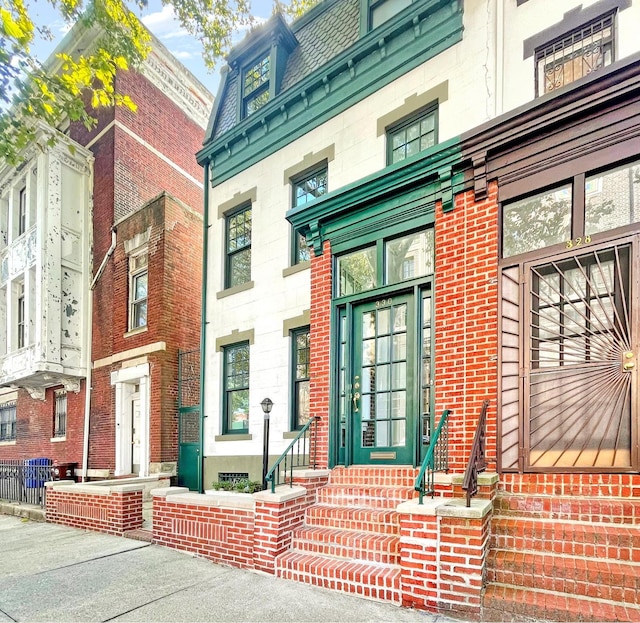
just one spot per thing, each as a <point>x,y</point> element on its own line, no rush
<point>23,480</point>
<point>436,459</point>
<point>477,460</point>
<point>301,452</point>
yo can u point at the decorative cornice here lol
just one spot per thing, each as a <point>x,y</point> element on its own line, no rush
<point>179,86</point>
<point>348,78</point>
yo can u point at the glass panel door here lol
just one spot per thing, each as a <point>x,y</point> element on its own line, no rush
<point>382,397</point>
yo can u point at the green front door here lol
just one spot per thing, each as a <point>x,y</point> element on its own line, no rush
<point>383,396</point>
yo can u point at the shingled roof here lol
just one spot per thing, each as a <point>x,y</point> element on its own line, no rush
<point>323,33</point>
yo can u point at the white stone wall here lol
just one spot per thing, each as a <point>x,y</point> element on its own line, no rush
<point>483,76</point>
<point>52,259</point>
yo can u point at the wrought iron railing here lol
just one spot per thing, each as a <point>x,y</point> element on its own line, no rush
<point>477,460</point>
<point>436,459</point>
<point>300,453</point>
<point>23,480</point>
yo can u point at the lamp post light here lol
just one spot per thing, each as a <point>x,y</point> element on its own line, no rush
<point>266,405</point>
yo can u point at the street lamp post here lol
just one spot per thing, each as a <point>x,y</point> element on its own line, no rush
<point>266,405</point>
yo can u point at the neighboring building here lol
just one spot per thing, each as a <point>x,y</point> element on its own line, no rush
<point>415,207</point>
<point>102,248</point>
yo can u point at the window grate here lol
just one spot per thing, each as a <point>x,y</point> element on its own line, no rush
<point>60,414</point>
<point>232,476</point>
<point>8,412</point>
<point>575,55</point>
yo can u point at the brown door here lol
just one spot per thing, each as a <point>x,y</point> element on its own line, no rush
<point>580,362</point>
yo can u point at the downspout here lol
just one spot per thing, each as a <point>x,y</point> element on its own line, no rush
<point>89,349</point>
<point>203,324</point>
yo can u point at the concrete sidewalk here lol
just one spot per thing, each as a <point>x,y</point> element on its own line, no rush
<point>55,573</point>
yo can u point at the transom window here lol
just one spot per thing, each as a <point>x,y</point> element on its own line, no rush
<point>238,265</point>
<point>300,339</point>
<point>562,215</point>
<point>305,188</point>
<point>385,263</point>
<point>60,414</point>
<point>412,136</point>
<point>236,388</point>
<point>255,86</point>
<point>575,55</point>
<point>8,421</point>
<point>138,290</point>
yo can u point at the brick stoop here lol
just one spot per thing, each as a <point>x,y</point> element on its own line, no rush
<point>564,559</point>
<point>350,538</point>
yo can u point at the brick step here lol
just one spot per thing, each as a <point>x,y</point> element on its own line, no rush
<point>362,519</point>
<point>389,476</point>
<point>374,496</point>
<point>589,577</point>
<point>502,602</point>
<point>139,534</point>
<point>370,580</point>
<point>347,544</point>
<point>602,540</point>
<point>591,509</point>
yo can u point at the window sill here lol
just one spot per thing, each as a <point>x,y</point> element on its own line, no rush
<point>230,291</point>
<point>57,439</point>
<point>296,268</point>
<point>12,442</point>
<point>234,437</point>
<point>136,331</point>
<point>290,434</point>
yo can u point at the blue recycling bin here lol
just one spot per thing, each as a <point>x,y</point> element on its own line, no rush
<point>34,475</point>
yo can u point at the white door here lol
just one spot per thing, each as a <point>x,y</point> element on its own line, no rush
<point>136,433</point>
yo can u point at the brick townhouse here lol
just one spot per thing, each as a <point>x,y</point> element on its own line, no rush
<point>413,208</point>
<point>101,274</point>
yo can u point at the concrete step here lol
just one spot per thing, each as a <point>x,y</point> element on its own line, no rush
<point>503,602</point>
<point>360,518</point>
<point>596,578</point>
<point>347,544</point>
<point>370,580</point>
<point>376,496</point>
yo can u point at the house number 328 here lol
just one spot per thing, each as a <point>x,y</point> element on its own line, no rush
<point>578,242</point>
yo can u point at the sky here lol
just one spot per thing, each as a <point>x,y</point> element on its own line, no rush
<point>161,22</point>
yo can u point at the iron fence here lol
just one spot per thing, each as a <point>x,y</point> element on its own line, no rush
<point>23,480</point>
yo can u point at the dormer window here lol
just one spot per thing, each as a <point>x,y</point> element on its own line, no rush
<point>255,86</point>
<point>382,10</point>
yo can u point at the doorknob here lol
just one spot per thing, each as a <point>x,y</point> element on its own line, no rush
<point>630,363</point>
<point>356,397</point>
<point>629,366</point>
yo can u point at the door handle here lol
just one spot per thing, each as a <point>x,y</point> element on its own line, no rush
<point>355,398</point>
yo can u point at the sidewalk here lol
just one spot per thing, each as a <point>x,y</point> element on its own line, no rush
<point>55,573</point>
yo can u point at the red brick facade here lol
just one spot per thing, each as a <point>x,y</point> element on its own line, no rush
<point>144,176</point>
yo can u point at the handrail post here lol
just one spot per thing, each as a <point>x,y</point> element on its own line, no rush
<point>477,459</point>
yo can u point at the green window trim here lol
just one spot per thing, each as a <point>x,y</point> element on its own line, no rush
<point>306,187</point>
<point>235,391</point>
<point>238,226</point>
<point>413,134</point>
<point>255,85</point>
<point>300,376</point>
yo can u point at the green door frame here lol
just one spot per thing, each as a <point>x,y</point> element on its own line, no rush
<point>420,397</point>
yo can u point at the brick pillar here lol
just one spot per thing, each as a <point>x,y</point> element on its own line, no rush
<point>319,369</point>
<point>443,552</point>
<point>466,319</point>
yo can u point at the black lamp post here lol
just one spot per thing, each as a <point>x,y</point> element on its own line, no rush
<point>266,405</point>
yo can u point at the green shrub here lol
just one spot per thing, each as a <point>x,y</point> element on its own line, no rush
<point>244,485</point>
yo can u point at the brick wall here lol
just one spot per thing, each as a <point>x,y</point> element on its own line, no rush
<point>319,368</point>
<point>466,321</point>
<point>34,428</point>
<point>193,523</point>
<point>113,510</point>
